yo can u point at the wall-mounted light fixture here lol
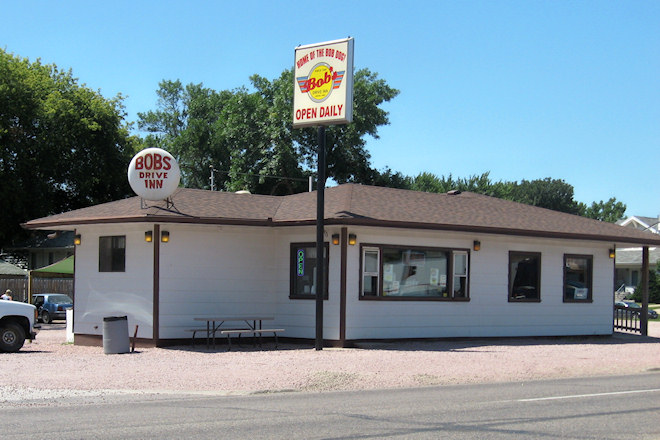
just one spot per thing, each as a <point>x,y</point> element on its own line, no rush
<point>165,236</point>
<point>148,236</point>
<point>77,239</point>
<point>612,253</point>
<point>335,239</point>
<point>352,239</point>
<point>476,245</point>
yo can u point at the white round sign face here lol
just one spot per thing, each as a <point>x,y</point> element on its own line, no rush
<point>154,174</point>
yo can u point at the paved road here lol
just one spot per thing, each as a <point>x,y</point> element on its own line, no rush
<point>595,408</point>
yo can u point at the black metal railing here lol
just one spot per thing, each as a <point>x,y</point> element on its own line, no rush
<point>627,319</point>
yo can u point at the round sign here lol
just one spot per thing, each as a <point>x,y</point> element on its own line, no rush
<point>154,174</point>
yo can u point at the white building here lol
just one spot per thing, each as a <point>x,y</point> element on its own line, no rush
<point>406,265</point>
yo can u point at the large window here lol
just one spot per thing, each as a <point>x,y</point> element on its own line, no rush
<point>303,271</point>
<point>577,278</point>
<point>524,276</point>
<point>112,254</point>
<point>393,272</point>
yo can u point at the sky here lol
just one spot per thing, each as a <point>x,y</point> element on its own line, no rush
<point>523,90</point>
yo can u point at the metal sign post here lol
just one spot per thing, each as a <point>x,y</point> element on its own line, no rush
<point>323,95</point>
<point>320,248</point>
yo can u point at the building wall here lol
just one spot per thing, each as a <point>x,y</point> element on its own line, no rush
<point>231,270</point>
<point>488,313</point>
<point>105,294</point>
<point>215,271</point>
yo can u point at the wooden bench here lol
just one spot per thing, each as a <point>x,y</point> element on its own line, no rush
<point>254,332</point>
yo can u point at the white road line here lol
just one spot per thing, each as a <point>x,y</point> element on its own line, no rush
<point>578,396</point>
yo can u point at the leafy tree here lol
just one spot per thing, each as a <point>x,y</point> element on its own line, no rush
<point>654,287</point>
<point>62,145</point>
<point>248,135</point>
<point>547,193</point>
<point>610,211</point>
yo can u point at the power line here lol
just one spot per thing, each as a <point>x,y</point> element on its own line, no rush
<point>299,179</point>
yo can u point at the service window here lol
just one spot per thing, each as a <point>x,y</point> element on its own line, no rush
<point>371,272</point>
<point>399,272</point>
<point>578,278</point>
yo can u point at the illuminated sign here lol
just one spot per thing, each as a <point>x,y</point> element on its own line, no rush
<point>154,174</point>
<point>300,262</point>
<point>323,88</point>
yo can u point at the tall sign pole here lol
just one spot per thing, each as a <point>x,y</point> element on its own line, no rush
<point>323,95</point>
<point>320,248</point>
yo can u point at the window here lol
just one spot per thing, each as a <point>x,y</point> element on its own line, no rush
<point>394,272</point>
<point>112,254</point>
<point>524,276</point>
<point>577,278</point>
<point>303,271</point>
<point>460,274</point>
<point>371,272</point>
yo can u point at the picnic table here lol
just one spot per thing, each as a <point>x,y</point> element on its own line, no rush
<point>248,324</point>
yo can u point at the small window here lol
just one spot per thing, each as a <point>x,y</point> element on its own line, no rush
<point>112,254</point>
<point>524,276</point>
<point>371,273</point>
<point>577,278</point>
<point>460,274</point>
<point>303,271</point>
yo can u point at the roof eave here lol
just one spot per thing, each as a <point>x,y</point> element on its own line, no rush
<point>615,240</point>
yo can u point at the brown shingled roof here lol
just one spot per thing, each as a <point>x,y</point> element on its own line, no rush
<point>353,204</point>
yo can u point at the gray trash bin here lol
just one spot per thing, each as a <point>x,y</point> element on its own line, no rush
<point>115,335</point>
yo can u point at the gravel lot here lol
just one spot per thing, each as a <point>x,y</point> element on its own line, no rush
<point>50,368</point>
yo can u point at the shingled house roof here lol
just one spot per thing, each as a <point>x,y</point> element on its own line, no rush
<point>352,204</point>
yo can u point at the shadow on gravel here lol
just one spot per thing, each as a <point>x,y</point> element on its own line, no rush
<point>430,345</point>
<point>465,344</point>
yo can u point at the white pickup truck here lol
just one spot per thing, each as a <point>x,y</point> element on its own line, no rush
<point>16,324</point>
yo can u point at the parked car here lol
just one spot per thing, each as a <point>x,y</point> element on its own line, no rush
<point>16,324</point>
<point>51,306</point>
<point>636,308</point>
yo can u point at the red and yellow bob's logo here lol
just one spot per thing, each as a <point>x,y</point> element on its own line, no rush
<point>320,82</point>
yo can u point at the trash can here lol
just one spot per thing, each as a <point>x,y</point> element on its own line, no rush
<point>115,335</point>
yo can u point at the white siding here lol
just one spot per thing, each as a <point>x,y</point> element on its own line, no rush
<point>102,294</point>
<point>208,271</point>
<point>488,313</point>
<point>230,270</point>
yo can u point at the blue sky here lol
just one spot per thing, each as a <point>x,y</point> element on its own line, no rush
<point>521,89</point>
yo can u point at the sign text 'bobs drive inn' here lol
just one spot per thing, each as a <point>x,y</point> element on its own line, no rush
<point>323,84</point>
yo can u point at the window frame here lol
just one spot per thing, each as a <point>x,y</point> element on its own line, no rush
<point>589,284</point>
<point>109,257</point>
<point>536,255</point>
<point>452,252</point>
<point>293,274</point>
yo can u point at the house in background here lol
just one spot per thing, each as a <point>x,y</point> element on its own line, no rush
<point>400,264</point>
<point>642,223</point>
<point>42,249</point>
<point>13,278</point>
<point>629,260</point>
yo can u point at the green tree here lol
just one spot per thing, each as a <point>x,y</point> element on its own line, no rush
<point>610,211</point>
<point>248,135</point>
<point>62,145</point>
<point>654,287</point>
<point>547,193</point>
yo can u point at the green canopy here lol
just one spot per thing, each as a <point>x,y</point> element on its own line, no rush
<point>61,267</point>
